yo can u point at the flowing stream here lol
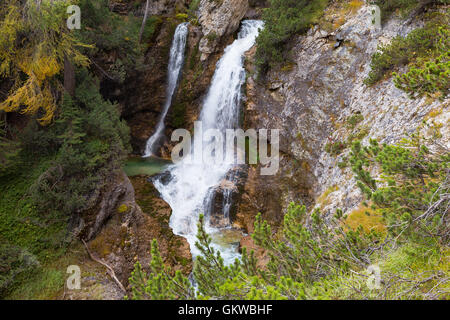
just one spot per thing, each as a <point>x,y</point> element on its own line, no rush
<point>175,65</point>
<point>190,185</point>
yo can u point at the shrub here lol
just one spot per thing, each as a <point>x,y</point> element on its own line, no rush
<point>388,7</point>
<point>283,19</point>
<point>433,77</point>
<point>93,143</point>
<point>405,231</point>
<point>424,48</point>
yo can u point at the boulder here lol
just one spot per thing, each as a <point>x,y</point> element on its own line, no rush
<point>223,200</point>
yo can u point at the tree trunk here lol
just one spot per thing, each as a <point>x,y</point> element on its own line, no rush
<point>69,77</point>
<point>144,21</point>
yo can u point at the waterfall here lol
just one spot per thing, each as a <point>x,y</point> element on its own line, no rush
<point>189,188</point>
<point>175,65</point>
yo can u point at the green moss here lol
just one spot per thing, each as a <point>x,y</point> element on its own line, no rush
<point>39,237</point>
<point>122,208</point>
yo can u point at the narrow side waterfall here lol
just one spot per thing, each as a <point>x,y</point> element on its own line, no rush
<point>191,184</point>
<point>175,65</point>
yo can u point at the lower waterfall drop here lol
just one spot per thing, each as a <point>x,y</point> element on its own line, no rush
<point>188,190</point>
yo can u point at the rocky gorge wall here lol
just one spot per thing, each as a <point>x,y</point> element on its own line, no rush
<point>127,214</point>
<point>311,100</point>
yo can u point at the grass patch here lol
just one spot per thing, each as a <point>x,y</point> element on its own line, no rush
<point>40,237</point>
<point>323,198</point>
<point>368,218</point>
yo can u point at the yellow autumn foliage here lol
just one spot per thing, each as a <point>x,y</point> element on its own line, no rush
<point>30,98</point>
<point>9,28</point>
<point>39,55</point>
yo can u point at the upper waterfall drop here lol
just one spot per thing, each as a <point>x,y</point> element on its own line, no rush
<point>190,187</point>
<point>176,62</point>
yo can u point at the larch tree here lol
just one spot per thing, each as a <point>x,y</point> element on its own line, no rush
<point>35,46</point>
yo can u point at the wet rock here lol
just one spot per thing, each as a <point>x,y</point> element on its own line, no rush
<point>224,199</point>
<point>164,177</point>
<point>222,204</point>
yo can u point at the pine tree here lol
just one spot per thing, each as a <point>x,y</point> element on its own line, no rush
<point>283,19</point>
<point>411,192</point>
<point>159,283</point>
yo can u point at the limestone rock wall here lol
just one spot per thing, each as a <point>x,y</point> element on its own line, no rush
<point>311,101</point>
<point>219,19</point>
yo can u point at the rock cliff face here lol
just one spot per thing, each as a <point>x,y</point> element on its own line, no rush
<point>118,230</point>
<point>142,97</point>
<point>311,102</point>
<point>218,20</point>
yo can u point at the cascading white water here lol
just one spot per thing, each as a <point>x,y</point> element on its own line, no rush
<point>175,65</point>
<point>189,188</point>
